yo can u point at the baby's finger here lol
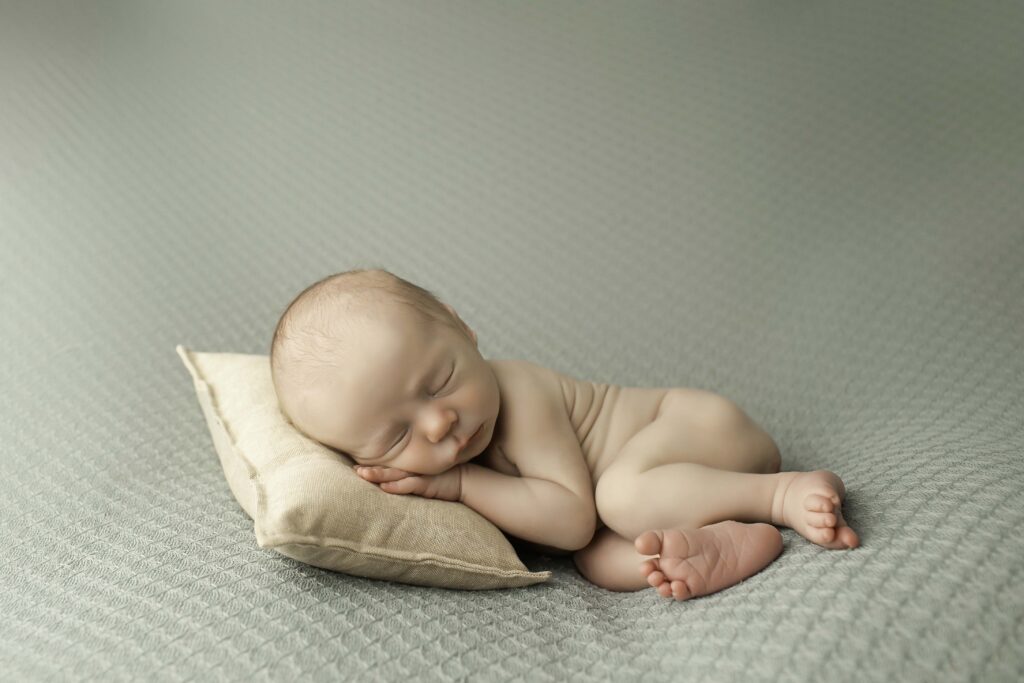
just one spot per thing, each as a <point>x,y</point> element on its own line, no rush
<point>392,474</point>
<point>367,473</point>
<point>378,474</point>
<point>403,486</point>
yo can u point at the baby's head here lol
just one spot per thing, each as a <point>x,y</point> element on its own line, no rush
<point>379,369</point>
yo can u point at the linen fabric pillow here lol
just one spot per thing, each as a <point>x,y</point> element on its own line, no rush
<point>308,503</point>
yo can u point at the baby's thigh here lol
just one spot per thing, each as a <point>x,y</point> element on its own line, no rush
<point>696,426</point>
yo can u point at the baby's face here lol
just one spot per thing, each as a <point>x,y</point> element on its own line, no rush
<point>413,395</point>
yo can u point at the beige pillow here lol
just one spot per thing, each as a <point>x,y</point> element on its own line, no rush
<point>306,502</point>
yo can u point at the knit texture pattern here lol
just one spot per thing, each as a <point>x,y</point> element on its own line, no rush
<point>814,209</point>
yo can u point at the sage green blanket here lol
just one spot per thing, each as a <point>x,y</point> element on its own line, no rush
<point>814,209</point>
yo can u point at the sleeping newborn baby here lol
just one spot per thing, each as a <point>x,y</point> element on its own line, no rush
<point>673,488</point>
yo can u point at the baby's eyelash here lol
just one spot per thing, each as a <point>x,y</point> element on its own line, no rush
<point>447,380</point>
<point>399,440</point>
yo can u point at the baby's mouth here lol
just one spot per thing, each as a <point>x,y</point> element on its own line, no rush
<point>471,437</point>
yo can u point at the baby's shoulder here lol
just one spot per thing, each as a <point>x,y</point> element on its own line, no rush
<point>521,379</point>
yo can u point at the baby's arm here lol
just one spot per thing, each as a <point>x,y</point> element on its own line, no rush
<point>534,510</point>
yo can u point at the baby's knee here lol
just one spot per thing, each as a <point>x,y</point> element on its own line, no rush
<point>759,446</point>
<point>760,452</point>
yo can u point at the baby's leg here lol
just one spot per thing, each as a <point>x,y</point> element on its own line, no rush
<point>692,562</point>
<point>707,429</point>
<point>685,495</point>
<point>656,482</point>
<point>610,561</point>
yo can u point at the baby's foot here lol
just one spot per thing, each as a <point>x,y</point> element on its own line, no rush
<point>810,504</point>
<point>696,562</point>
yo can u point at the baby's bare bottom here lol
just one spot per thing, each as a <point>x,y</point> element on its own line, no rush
<point>690,470</point>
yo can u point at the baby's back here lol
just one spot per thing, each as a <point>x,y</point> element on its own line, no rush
<point>603,416</point>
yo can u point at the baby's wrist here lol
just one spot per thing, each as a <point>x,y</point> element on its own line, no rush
<point>459,471</point>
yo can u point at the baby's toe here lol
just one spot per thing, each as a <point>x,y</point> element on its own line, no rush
<point>820,519</point>
<point>652,570</point>
<point>648,566</point>
<point>649,542</point>
<point>847,537</point>
<point>680,591</point>
<point>817,503</point>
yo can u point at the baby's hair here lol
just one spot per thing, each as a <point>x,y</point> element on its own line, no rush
<point>321,314</point>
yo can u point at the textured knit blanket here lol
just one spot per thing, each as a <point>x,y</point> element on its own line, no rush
<point>814,209</point>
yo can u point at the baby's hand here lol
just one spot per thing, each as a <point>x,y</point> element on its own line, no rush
<point>444,486</point>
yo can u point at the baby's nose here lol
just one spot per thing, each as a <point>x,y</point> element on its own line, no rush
<point>445,425</point>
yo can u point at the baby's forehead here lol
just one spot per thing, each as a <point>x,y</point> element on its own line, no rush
<point>390,342</point>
